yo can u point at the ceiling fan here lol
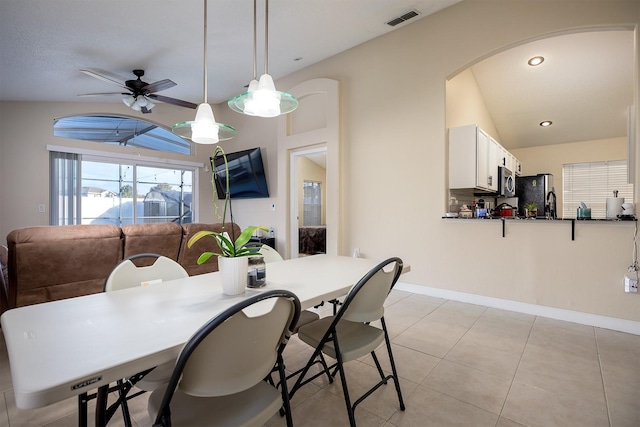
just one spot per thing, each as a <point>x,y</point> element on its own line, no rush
<point>139,93</point>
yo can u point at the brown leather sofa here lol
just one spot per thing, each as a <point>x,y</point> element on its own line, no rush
<point>49,263</point>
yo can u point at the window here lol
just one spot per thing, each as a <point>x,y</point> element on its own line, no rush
<point>312,203</point>
<point>88,189</point>
<point>593,183</point>
<point>121,130</point>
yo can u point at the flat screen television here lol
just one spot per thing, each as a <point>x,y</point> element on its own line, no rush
<point>247,179</point>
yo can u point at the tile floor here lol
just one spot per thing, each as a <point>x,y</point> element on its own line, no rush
<point>460,365</point>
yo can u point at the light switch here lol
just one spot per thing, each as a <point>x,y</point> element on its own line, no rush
<point>41,208</point>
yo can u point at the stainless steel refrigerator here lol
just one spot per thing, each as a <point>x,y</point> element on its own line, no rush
<point>539,190</point>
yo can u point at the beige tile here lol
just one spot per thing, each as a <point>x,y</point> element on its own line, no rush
<point>410,364</point>
<point>360,378</point>
<point>569,326</point>
<point>618,345</point>
<point>429,337</point>
<point>506,422</point>
<point>326,409</point>
<point>578,341</point>
<point>426,407</point>
<point>4,414</point>
<point>420,305</point>
<point>5,370</point>
<point>507,314</point>
<point>500,333</point>
<point>539,408</point>
<point>40,416</point>
<point>481,389</point>
<point>561,373</point>
<point>455,313</point>
<point>486,359</point>
<point>622,384</point>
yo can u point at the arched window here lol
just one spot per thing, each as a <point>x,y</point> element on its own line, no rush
<point>121,130</point>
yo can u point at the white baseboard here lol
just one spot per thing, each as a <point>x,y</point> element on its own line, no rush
<point>622,325</point>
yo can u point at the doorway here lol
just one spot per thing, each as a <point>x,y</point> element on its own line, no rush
<point>308,200</point>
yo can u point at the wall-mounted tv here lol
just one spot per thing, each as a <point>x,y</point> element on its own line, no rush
<point>247,178</point>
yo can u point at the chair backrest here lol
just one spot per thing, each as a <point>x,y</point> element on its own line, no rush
<point>236,349</point>
<point>269,254</point>
<point>127,275</point>
<point>365,301</point>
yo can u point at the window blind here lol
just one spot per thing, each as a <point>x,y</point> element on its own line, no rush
<point>592,183</point>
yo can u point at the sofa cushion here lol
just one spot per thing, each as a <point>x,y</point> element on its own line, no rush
<point>49,263</point>
<point>188,257</point>
<point>161,238</point>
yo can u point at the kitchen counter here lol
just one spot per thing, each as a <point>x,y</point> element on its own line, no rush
<point>517,219</point>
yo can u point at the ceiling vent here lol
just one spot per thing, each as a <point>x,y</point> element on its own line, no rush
<point>403,18</point>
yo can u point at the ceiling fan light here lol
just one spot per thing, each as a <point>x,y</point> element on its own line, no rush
<point>150,104</point>
<point>136,107</point>
<point>141,101</point>
<point>128,100</point>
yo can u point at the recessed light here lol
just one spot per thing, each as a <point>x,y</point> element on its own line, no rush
<point>546,123</point>
<point>536,60</point>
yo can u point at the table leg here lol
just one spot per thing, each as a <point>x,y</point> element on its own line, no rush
<point>82,409</point>
<point>101,405</point>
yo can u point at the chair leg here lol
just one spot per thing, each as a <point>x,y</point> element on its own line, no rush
<point>380,371</point>
<point>393,364</point>
<point>343,381</point>
<point>285,393</point>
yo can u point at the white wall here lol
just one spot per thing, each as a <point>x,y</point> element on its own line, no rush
<point>393,186</point>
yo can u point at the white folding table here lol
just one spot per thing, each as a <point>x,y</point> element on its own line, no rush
<point>64,348</point>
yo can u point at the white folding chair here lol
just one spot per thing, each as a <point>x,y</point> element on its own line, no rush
<point>219,376</point>
<point>348,335</point>
<point>127,275</point>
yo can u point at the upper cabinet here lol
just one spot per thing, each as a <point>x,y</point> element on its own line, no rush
<point>474,157</point>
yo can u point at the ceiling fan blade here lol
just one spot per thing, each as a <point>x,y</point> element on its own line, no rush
<point>104,93</point>
<point>103,78</point>
<point>159,85</point>
<point>173,101</point>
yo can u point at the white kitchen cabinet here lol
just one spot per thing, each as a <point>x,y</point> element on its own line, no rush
<point>473,159</point>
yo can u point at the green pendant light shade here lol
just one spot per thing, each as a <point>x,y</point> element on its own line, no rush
<point>204,129</point>
<point>261,98</point>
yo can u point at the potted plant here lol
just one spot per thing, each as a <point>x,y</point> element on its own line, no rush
<point>233,255</point>
<point>530,210</point>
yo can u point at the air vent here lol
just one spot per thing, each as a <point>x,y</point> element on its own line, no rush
<point>403,18</point>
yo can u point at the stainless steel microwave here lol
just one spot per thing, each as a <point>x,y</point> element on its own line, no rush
<point>506,182</point>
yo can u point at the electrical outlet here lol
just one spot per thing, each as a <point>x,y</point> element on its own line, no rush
<point>630,285</point>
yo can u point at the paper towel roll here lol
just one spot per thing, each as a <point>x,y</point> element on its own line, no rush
<point>614,207</point>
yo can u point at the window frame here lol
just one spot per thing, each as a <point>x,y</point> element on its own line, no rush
<point>135,161</point>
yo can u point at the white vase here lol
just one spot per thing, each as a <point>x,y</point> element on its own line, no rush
<point>233,274</point>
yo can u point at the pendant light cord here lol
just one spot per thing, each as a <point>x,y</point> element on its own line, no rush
<point>255,42</point>
<point>266,36</point>
<point>205,52</point>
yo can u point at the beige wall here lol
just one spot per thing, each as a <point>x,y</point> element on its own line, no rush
<point>394,146</point>
<point>465,104</point>
<point>393,185</point>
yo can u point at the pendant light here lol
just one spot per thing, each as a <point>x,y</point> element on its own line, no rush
<point>261,98</point>
<point>204,129</point>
